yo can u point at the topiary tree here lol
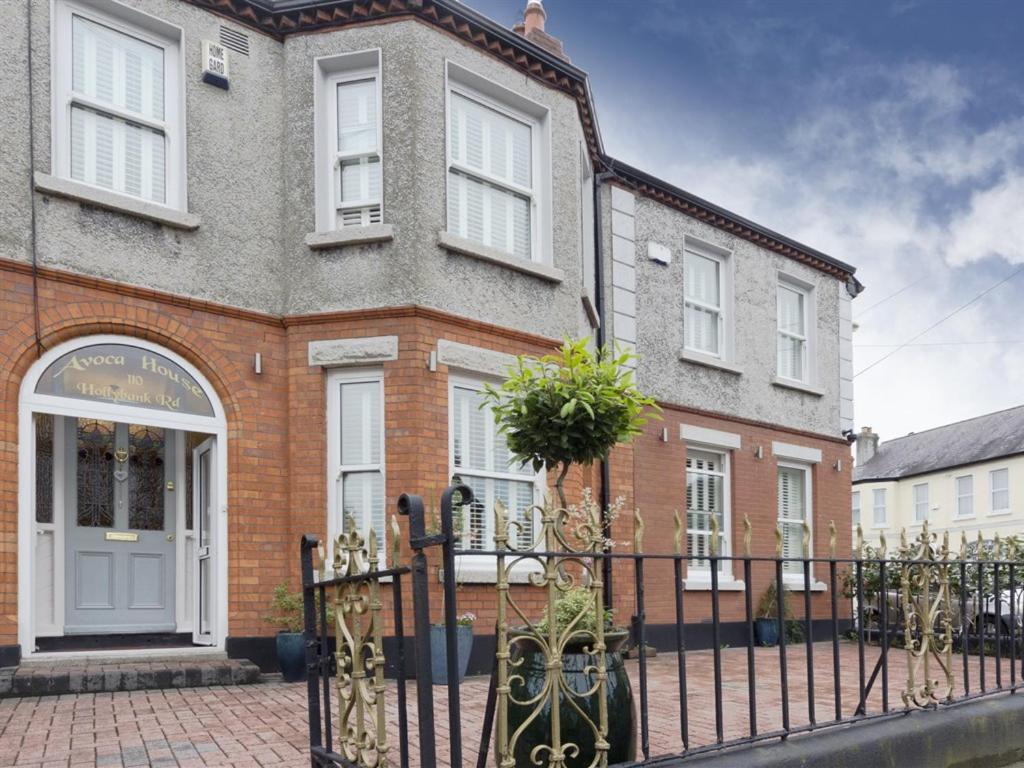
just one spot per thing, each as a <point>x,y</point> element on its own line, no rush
<point>569,408</point>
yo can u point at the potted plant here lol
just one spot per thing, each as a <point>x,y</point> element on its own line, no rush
<point>438,649</point>
<point>286,612</point>
<point>766,624</point>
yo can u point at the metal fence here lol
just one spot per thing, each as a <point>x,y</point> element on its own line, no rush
<point>928,628</point>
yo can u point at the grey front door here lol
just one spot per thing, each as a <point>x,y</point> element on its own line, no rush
<point>119,528</point>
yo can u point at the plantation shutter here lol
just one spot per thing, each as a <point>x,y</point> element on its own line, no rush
<point>122,76</point>
<point>792,513</point>
<point>705,489</point>
<point>360,176</point>
<point>361,456</point>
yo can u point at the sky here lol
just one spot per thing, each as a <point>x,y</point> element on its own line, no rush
<point>886,133</point>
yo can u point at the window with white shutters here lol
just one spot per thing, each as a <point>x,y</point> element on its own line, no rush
<point>879,513</point>
<point>356,453</point>
<point>920,502</point>
<point>358,189</point>
<point>794,502</point>
<point>491,195</point>
<point>999,484</point>
<point>792,332</point>
<point>706,499</point>
<point>704,319</point>
<point>856,507</point>
<point>481,459</point>
<point>965,496</point>
<point>117,118</point>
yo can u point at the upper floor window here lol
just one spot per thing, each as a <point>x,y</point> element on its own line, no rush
<point>795,326</point>
<point>707,497</point>
<point>118,106</point>
<point>707,300</point>
<point>794,502</point>
<point>481,459</point>
<point>999,486</point>
<point>965,496</point>
<point>350,190</point>
<point>920,502</point>
<point>879,513</point>
<point>355,452</point>
<point>498,167</point>
<point>856,507</point>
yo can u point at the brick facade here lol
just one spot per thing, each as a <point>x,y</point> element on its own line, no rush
<point>277,439</point>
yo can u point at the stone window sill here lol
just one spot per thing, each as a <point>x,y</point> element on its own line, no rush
<point>1001,513</point>
<point>483,569</point>
<point>112,201</point>
<point>799,386</point>
<point>465,247</point>
<point>709,361</point>
<point>704,585</point>
<point>371,233</point>
<point>795,585</point>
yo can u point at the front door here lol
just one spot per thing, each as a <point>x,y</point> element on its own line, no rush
<point>203,495</point>
<point>120,524</point>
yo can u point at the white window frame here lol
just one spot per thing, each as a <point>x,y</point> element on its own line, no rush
<point>920,516</point>
<point>992,491</point>
<point>474,566</point>
<point>725,309</point>
<point>796,580</point>
<point>876,494</point>
<point>855,507</point>
<point>492,95</point>
<point>141,26</point>
<point>329,72</point>
<point>960,497</point>
<point>335,469</point>
<point>703,574</point>
<point>809,336</point>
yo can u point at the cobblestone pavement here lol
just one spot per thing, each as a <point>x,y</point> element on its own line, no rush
<point>266,725</point>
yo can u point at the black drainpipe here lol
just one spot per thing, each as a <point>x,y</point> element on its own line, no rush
<point>605,497</point>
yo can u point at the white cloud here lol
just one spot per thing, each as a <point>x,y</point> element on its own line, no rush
<point>993,225</point>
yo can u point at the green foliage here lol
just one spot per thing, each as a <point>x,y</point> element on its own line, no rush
<point>286,610</point>
<point>571,604</point>
<point>568,408</point>
<point>767,604</point>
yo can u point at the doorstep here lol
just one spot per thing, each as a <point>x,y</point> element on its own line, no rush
<point>38,678</point>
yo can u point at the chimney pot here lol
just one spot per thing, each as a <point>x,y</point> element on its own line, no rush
<point>867,446</point>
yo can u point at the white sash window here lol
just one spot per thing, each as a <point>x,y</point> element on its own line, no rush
<point>794,495</point>
<point>357,165</point>
<point>707,490</point>
<point>920,502</point>
<point>491,198</point>
<point>117,121</point>
<point>704,318</point>
<point>355,421</point>
<point>965,496</point>
<point>879,515</point>
<point>792,334</point>
<point>856,508</point>
<point>999,482</point>
<point>480,457</point>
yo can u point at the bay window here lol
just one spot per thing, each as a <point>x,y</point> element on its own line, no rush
<point>118,104</point>
<point>355,453</point>
<point>481,459</point>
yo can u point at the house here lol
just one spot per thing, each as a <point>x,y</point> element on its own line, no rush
<point>258,260</point>
<point>963,478</point>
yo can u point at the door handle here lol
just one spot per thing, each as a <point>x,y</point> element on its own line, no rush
<point>170,537</point>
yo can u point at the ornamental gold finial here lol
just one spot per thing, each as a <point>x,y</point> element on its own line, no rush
<point>500,525</point>
<point>778,539</point>
<point>747,534</point>
<point>678,538</point>
<point>714,536</point>
<point>806,539</point>
<point>371,548</point>
<point>981,545</point>
<point>903,538</point>
<point>881,545</point>
<point>396,541</point>
<point>998,548</point>
<point>860,541</point>
<point>832,539</point>
<point>945,545</point>
<point>638,531</point>
<point>963,545</point>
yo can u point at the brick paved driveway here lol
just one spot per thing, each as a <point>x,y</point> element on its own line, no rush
<point>260,725</point>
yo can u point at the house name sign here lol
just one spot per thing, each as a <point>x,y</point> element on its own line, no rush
<point>125,375</point>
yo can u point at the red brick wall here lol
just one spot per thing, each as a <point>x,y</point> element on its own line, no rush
<point>277,441</point>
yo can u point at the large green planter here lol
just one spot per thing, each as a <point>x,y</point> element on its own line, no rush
<point>574,729</point>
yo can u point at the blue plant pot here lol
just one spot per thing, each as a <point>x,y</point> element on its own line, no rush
<point>767,632</point>
<point>291,656</point>
<point>439,655</point>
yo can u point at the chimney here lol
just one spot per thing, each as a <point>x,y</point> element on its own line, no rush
<point>867,446</point>
<point>532,28</point>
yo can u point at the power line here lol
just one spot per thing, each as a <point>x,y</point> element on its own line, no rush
<point>890,296</point>
<point>939,322</point>
<point>939,344</point>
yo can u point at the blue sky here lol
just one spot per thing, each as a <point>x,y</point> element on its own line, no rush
<point>888,133</point>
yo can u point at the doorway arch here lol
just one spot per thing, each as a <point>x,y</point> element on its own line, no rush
<point>124,380</point>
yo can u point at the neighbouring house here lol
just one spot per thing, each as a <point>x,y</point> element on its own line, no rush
<point>965,477</point>
<point>257,260</point>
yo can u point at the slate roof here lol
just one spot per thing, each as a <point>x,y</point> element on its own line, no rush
<point>982,438</point>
